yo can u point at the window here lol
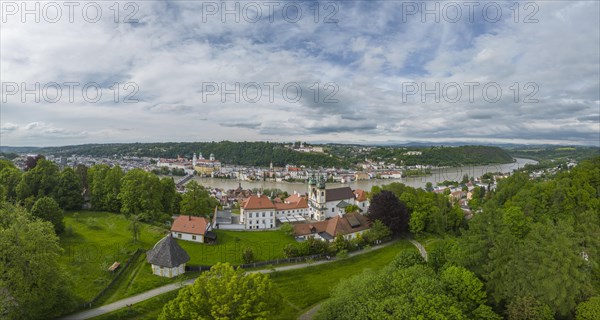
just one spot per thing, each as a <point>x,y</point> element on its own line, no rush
<point>263,214</point>
<point>193,237</point>
<point>322,193</point>
<point>179,235</point>
<point>250,214</point>
<point>332,209</point>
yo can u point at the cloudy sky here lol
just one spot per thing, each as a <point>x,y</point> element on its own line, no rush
<point>349,71</point>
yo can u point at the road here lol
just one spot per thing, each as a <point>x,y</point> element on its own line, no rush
<point>175,286</point>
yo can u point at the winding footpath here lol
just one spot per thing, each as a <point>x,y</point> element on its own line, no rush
<point>124,303</point>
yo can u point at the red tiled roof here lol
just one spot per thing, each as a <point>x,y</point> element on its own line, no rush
<point>334,227</point>
<point>190,224</point>
<point>301,204</point>
<point>360,195</point>
<point>255,202</point>
<point>293,198</point>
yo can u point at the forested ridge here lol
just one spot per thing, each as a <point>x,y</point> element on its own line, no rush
<point>263,153</point>
<point>235,153</point>
<point>445,156</point>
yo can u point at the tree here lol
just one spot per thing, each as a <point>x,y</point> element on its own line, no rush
<point>47,209</point>
<point>313,246</point>
<point>516,221</point>
<point>464,285</point>
<point>351,208</point>
<point>287,229</point>
<point>528,308</point>
<point>196,201</point>
<point>557,282</point>
<point>455,218</point>
<point>386,207</point>
<point>68,191</point>
<point>418,222</point>
<point>39,181</point>
<point>411,292</point>
<point>407,259</point>
<point>429,187</point>
<point>10,176</point>
<point>589,310</point>
<point>170,197</point>
<point>291,250</point>
<point>105,187</point>
<point>377,233</point>
<point>31,162</point>
<point>141,194</point>
<point>33,284</point>
<point>248,255</point>
<point>135,227</point>
<point>340,244</point>
<point>225,293</point>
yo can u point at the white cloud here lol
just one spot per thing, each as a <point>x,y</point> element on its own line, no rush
<point>369,54</point>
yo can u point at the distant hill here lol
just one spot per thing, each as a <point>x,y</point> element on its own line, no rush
<point>262,153</point>
<point>557,153</point>
<point>238,153</point>
<point>446,156</point>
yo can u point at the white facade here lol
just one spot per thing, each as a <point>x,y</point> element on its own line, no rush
<point>292,212</point>
<point>168,272</point>
<point>258,219</point>
<point>188,236</point>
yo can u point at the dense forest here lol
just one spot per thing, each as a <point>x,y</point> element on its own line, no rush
<point>531,252</point>
<point>555,153</point>
<point>445,156</point>
<point>237,153</point>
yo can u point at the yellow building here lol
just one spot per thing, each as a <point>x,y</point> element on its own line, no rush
<point>206,166</point>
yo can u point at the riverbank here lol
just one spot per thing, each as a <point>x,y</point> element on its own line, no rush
<point>437,175</point>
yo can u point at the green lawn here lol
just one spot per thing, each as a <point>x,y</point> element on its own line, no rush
<point>138,278</point>
<point>303,288</point>
<point>267,245</point>
<point>92,242</point>
<point>300,288</point>
<point>146,310</point>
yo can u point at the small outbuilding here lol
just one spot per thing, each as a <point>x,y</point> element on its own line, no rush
<point>167,258</point>
<point>196,229</point>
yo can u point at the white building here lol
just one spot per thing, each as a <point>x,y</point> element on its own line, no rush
<point>257,212</point>
<point>191,228</point>
<point>326,203</point>
<point>167,258</point>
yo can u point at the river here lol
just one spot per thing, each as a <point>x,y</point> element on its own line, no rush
<point>437,175</point>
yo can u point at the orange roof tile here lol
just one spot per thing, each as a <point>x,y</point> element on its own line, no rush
<point>190,224</point>
<point>334,227</point>
<point>255,202</point>
<point>360,195</point>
